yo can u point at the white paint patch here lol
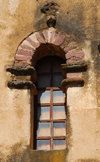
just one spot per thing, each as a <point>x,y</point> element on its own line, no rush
<point>13,5</point>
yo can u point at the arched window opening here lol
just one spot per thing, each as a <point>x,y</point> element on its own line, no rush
<point>49,106</point>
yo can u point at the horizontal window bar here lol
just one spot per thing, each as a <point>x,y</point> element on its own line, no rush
<point>50,88</point>
<point>48,104</point>
<point>54,137</point>
<point>57,120</point>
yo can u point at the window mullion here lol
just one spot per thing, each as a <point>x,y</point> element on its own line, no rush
<point>51,117</point>
<point>51,107</point>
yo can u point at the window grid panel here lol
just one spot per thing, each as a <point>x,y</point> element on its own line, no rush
<point>43,144</point>
<point>58,96</point>
<point>43,96</point>
<point>57,79</point>
<point>59,112</point>
<point>51,104</point>
<point>44,129</point>
<point>44,68</point>
<point>59,129</point>
<point>51,143</point>
<point>56,66</point>
<point>43,81</point>
<point>51,117</point>
<point>59,144</point>
<point>43,113</point>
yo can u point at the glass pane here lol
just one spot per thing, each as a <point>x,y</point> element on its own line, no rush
<point>59,144</point>
<point>59,112</point>
<point>58,97</point>
<point>43,113</point>
<point>59,129</point>
<point>44,129</point>
<point>44,68</point>
<point>57,79</point>
<point>43,144</point>
<point>43,81</point>
<point>57,67</point>
<point>43,96</point>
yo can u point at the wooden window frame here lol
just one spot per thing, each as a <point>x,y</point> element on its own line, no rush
<point>51,104</point>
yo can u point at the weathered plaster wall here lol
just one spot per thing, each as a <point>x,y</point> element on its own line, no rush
<point>80,19</point>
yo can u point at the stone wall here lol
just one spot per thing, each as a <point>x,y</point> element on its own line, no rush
<point>80,19</point>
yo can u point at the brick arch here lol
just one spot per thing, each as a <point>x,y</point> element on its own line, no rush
<point>62,43</point>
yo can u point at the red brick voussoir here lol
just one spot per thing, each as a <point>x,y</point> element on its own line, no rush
<point>52,34</point>
<point>24,52</point>
<point>66,42</point>
<point>76,54</point>
<point>59,39</point>
<point>46,36</point>
<point>40,38</point>
<point>26,47</point>
<point>67,49</point>
<point>33,43</point>
<point>75,61</point>
<point>23,58</point>
<point>21,63</point>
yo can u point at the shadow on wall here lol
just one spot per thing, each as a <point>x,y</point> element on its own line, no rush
<point>73,21</point>
<point>26,155</point>
<point>18,154</point>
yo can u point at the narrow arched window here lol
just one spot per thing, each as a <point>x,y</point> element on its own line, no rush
<point>49,108</point>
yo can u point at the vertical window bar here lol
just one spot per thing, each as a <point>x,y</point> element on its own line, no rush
<point>51,143</point>
<point>51,74</point>
<point>52,103</point>
<point>51,112</point>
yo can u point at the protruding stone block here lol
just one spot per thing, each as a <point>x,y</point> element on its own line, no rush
<point>23,85</point>
<point>69,82</point>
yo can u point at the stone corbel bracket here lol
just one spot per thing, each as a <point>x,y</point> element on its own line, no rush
<point>22,77</point>
<point>72,68</point>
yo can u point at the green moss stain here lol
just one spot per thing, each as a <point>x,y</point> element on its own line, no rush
<point>18,153</point>
<point>48,156</point>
